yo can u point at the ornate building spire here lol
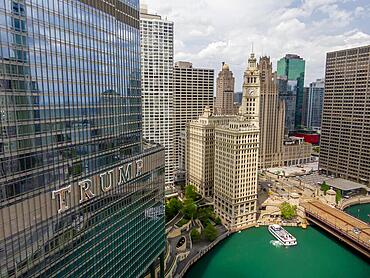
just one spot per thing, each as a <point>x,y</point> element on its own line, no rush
<point>252,62</point>
<point>251,91</point>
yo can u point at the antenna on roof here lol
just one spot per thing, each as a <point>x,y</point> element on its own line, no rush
<point>252,47</point>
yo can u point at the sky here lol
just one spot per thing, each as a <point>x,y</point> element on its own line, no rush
<point>209,32</point>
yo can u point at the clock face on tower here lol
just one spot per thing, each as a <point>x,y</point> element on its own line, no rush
<point>251,92</point>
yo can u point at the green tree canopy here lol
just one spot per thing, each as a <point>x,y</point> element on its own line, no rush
<point>218,220</point>
<point>204,214</point>
<point>195,235</point>
<point>189,209</point>
<point>210,232</point>
<point>325,187</point>
<point>338,196</point>
<point>191,193</point>
<point>288,211</point>
<point>172,207</point>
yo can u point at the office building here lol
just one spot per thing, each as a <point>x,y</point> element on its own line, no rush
<point>76,180</point>
<point>288,93</point>
<point>224,104</point>
<point>200,151</point>
<point>236,157</point>
<point>272,114</point>
<point>192,91</point>
<point>293,68</point>
<point>314,104</point>
<point>306,91</point>
<point>222,156</point>
<point>345,125</point>
<point>238,97</point>
<point>157,84</point>
<point>296,151</point>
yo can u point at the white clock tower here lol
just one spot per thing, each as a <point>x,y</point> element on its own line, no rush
<point>251,91</point>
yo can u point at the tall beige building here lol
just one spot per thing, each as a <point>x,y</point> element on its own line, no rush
<point>236,158</point>
<point>345,125</point>
<point>192,92</point>
<point>224,104</point>
<point>235,173</point>
<point>200,151</point>
<point>222,154</point>
<point>272,115</point>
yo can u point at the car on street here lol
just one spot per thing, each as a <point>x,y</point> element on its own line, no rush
<point>356,230</point>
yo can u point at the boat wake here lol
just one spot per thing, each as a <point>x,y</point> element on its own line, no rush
<point>276,243</point>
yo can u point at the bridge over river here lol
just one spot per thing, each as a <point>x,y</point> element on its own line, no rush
<point>347,228</point>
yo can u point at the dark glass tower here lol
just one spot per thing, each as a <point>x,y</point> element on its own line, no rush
<point>293,68</point>
<point>288,93</point>
<point>81,194</point>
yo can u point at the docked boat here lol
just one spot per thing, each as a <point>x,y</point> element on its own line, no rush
<point>282,235</point>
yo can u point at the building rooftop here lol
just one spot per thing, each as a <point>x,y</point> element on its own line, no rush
<point>183,65</point>
<point>145,14</point>
<point>345,185</point>
<point>293,56</point>
<point>225,66</point>
<point>293,140</point>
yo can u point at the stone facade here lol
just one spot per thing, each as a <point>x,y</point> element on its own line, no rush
<point>222,156</point>
<point>199,151</point>
<point>224,104</point>
<point>296,151</point>
<point>272,115</point>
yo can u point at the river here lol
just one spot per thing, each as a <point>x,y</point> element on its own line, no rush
<point>255,253</point>
<point>360,211</point>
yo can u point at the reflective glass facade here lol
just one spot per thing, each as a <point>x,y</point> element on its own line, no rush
<point>315,103</point>
<point>293,67</point>
<point>288,93</point>
<point>70,118</point>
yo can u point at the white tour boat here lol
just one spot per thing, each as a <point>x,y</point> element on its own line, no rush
<point>282,235</point>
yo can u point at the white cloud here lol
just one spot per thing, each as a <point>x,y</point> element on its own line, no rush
<point>208,32</point>
<point>291,26</point>
<point>202,31</point>
<point>359,11</point>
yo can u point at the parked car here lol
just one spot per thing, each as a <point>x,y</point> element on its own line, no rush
<point>356,230</point>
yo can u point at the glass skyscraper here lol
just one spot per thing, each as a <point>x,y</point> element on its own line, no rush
<point>315,104</point>
<point>81,193</point>
<point>293,68</point>
<point>288,93</point>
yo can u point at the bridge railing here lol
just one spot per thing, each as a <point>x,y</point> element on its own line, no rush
<point>345,232</point>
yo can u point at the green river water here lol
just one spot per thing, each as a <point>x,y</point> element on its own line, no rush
<point>360,211</point>
<point>255,253</point>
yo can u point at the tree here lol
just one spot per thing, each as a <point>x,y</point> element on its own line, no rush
<point>195,235</point>
<point>288,211</point>
<point>172,207</point>
<point>210,232</point>
<point>190,192</point>
<point>338,196</point>
<point>325,187</point>
<point>218,220</point>
<point>204,214</point>
<point>189,209</point>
